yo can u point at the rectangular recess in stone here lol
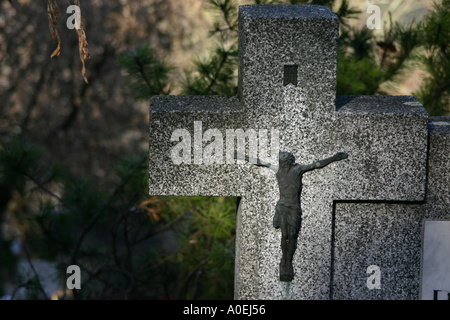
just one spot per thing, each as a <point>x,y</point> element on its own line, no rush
<point>290,74</point>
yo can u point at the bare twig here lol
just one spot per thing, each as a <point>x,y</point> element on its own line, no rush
<point>94,219</point>
<point>39,285</point>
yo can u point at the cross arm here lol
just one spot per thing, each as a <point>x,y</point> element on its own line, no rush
<point>324,162</point>
<point>255,161</point>
<point>187,139</point>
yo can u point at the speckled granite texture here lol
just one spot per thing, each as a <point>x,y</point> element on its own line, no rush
<point>365,210</point>
<point>389,235</point>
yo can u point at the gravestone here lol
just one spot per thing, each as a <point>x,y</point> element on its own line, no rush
<point>362,218</point>
<point>436,261</point>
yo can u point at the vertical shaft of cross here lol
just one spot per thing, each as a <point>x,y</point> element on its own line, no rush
<point>287,79</point>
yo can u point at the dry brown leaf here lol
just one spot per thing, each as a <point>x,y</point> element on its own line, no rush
<point>53,17</point>
<point>150,206</point>
<point>83,45</point>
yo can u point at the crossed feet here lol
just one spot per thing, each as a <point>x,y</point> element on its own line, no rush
<point>286,271</point>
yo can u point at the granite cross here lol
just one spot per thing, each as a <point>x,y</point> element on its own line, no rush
<point>287,87</point>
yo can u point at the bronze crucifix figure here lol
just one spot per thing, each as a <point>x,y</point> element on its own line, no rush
<point>288,212</point>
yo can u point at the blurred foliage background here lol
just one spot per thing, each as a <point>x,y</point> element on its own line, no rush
<point>73,154</point>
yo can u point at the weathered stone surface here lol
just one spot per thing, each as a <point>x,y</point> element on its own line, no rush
<point>438,193</point>
<point>390,234</point>
<point>169,113</point>
<point>387,137</point>
<point>387,235</point>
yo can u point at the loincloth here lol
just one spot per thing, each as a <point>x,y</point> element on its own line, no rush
<point>288,214</point>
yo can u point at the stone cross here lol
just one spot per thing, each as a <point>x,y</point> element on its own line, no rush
<point>287,101</point>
